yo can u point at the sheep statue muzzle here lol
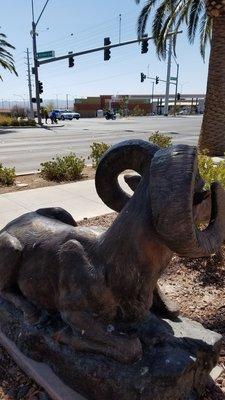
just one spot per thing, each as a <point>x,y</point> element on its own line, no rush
<point>94,279</point>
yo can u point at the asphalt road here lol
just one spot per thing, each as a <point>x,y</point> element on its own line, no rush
<point>26,148</point>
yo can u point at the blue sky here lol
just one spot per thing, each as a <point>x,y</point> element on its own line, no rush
<point>70,25</point>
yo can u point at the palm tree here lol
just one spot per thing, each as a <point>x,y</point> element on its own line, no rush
<point>206,17</point>
<point>6,58</point>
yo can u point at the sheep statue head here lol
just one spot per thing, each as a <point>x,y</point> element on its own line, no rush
<point>96,280</point>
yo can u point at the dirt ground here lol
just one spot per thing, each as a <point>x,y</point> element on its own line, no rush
<point>33,181</point>
<point>198,287</point>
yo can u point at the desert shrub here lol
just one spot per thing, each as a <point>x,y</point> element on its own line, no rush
<point>27,122</point>
<point>7,176</point>
<point>97,151</point>
<point>67,168</point>
<point>211,172</point>
<point>6,120</point>
<point>160,139</point>
<point>15,122</point>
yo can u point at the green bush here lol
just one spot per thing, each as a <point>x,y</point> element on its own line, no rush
<point>27,122</point>
<point>97,151</point>
<point>67,168</point>
<point>7,176</point>
<point>14,122</point>
<point>211,172</point>
<point>6,120</point>
<point>160,139</point>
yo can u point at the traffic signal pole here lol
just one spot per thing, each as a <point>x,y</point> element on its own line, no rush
<point>94,50</point>
<point>36,64</point>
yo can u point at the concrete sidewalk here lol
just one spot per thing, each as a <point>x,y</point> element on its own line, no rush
<point>78,198</point>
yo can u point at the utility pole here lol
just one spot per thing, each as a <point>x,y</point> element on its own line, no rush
<point>67,101</point>
<point>29,85</point>
<point>176,89</point>
<point>167,95</point>
<point>34,37</point>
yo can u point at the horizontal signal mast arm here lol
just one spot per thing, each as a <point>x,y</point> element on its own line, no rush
<point>111,46</point>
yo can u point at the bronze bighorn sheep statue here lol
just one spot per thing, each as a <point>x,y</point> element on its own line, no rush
<point>97,279</point>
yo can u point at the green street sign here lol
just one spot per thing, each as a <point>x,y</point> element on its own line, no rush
<point>173,78</point>
<point>46,54</point>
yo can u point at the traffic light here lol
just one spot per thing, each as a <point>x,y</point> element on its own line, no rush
<point>40,87</point>
<point>178,96</point>
<point>143,77</point>
<point>144,44</point>
<point>156,80</point>
<point>107,52</point>
<point>71,60</point>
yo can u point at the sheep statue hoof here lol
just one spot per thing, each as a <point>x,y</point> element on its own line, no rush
<point>87,301</point>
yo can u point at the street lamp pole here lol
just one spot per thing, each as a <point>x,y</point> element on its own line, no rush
<point>34,38</point>
<point>57,101</point>
<point>29,85</point>
<point>120,20</point>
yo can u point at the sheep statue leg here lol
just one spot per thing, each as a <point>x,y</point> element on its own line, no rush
<point>11,253</point>
<point>89,309</point>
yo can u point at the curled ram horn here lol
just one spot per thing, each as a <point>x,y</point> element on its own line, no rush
<point>174,189</point>
<point>130,154</point>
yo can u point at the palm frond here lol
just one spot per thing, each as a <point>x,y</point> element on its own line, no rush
<point>205,33</point>
<point>6,58</point>
<point>172,15</point>
<point>194,15</point>
<point>143,17</point>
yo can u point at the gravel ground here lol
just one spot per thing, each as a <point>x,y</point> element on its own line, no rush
<point>34,181</point>
<point>198,287</point>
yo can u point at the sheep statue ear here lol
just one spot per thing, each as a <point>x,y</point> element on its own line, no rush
<point>132,181</point>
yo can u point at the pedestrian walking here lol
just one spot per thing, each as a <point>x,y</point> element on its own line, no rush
<point>53,117</point>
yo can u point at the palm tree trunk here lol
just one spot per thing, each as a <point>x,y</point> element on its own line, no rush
<point>212,137</point>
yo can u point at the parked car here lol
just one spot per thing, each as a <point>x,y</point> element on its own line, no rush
<point>65,114</point>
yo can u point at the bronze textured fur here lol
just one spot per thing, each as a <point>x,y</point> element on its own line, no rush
<point>95,279</point>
